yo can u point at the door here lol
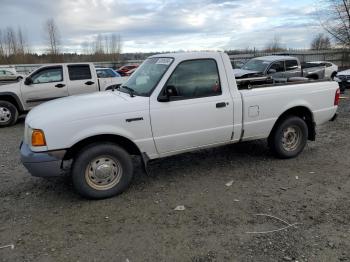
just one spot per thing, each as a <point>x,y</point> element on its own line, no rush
<point>45,84</point>
<point>81,79</point>
<point>199,111</point>
<point>276,70</point>
<point>292,69</point>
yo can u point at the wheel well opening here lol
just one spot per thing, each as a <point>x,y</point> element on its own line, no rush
<point>305,114</point>
<point>313,77</point>
<point>125,143</point>
<point>12,100</point>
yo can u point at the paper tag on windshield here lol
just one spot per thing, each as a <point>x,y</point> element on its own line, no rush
<point>164,61</point>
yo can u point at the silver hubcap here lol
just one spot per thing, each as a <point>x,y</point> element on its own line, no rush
<point>5,114</point>
<point>103,173</point>
<point>291,138</point>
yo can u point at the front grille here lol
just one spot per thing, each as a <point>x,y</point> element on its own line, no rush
<point>344,77</point>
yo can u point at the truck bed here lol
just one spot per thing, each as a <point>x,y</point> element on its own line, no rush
<point>261,101</point>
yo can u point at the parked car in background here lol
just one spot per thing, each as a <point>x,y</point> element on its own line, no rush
<point>9,74</point>
<point>50,82</point>
<point>174,103</point>
<point>109,77</point>
<point>278,67</point>
<point>130,72</point>
<point>330,68</point>
<point>125,69</point>
<point>106,72</point>
<point>343,79</point>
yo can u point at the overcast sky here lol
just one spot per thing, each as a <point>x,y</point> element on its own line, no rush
<point>167,25</point>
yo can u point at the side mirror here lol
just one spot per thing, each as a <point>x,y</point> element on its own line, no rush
<point>272,71</point>
<point>28,81</point>
<point>168,93</point>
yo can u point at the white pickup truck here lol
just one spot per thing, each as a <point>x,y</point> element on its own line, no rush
<point>173,103</point>
<point>50,82</point>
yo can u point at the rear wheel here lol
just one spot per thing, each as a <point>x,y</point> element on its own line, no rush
<point>102,171</point>
<point>8,114</point>
<point>289,137</point>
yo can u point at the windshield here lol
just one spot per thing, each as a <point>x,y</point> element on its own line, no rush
<point>146,77</point>
<point>256,65</point>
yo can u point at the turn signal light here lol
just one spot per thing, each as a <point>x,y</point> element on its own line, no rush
<point>38,138</point>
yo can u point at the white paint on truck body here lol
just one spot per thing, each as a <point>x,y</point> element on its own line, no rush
<point>169,128</point>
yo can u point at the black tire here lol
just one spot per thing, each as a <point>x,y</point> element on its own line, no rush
<point>284,131</point>
<point>19,78</point>
<point>8,114</point>
<point>82,171</point>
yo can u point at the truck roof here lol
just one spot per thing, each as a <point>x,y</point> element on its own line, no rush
<point>186,55</point>
<point>275,58</point>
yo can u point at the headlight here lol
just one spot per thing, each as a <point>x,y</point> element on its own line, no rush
<point>38,138</point>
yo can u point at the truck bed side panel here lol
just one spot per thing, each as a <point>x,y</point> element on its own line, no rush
<point>263,106</point>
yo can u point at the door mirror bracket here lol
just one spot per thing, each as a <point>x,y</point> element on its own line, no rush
<point>28,81</point>
<point>169,92</point>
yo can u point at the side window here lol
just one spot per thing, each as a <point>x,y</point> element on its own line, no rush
<point>328,65</point>
<point>48,75</point>
<point>2,72</point>
<point>195,78</point>
<point>8,73</point>
<point>291,65</point>
<point>111,73</point>
<point>278,66</point>
<point>79,72</point>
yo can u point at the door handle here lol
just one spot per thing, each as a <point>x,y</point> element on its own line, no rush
<point>60,85</point>
<point>89,83</point>
<point>221,104</point>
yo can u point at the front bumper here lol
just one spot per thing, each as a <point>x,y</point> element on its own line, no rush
<point>43,164</point>
<point>343,83</point>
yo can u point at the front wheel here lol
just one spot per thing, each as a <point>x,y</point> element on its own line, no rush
<point>102,171</point>
<point>289,137</point>
<point>8,114</point>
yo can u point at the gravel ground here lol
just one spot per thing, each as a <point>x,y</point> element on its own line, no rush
<point>46,221</point>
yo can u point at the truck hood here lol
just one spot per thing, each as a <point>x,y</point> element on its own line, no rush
<point>344,73</point>
<point>88,106</point>
<point>242,73</point>
<point>14,87</point>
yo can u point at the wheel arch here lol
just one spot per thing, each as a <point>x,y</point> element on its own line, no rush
<point>122,141</point>
<point>313,76</point>
<point>12,98</point>
<point>304,113</point>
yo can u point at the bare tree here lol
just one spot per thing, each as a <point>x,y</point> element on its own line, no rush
<point>52,36</point>
<point>115,46</point>
<point>321,42</point>
<point>21,42</point>
<point>334,16</point>
<point>2,48</point>
<point>274,45</point>
<point>106,46</point>
<point>11,42</point>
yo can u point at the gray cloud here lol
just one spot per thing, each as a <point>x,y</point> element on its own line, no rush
<point>151,25</point>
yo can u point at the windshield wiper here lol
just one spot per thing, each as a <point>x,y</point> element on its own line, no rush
<point>130,90</point>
